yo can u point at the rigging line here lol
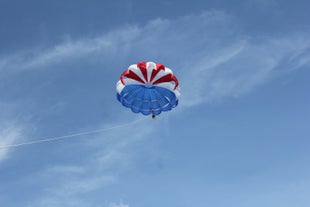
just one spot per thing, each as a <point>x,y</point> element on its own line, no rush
<point>68,136</point>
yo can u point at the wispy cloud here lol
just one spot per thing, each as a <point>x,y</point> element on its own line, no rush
<point>243,65</point>
<point>106,45</point>
<point>121,204</point>
<point>10,132</point>
<point>113,153</point>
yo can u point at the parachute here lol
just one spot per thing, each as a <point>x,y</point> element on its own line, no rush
<point>148,88</point>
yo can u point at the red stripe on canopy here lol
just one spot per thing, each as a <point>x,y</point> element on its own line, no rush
<point>159,67</point>
<point>130,74</point>
<point>142,67</point>
<point>167,78</point>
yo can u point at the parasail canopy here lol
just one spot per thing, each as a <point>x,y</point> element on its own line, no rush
<point>148,88</point>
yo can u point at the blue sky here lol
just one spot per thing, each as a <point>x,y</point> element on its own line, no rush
<point>239,137</point>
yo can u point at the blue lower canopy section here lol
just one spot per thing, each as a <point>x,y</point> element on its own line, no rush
<point>147,101</point>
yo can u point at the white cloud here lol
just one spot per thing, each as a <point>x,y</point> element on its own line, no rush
<point>10,132</point>
<point>65,169</point>
<point>121,204</point>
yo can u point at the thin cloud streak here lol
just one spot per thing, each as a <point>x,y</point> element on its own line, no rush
<point>70,49</point>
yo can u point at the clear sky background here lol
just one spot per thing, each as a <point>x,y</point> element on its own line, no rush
<point>240,136</point>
